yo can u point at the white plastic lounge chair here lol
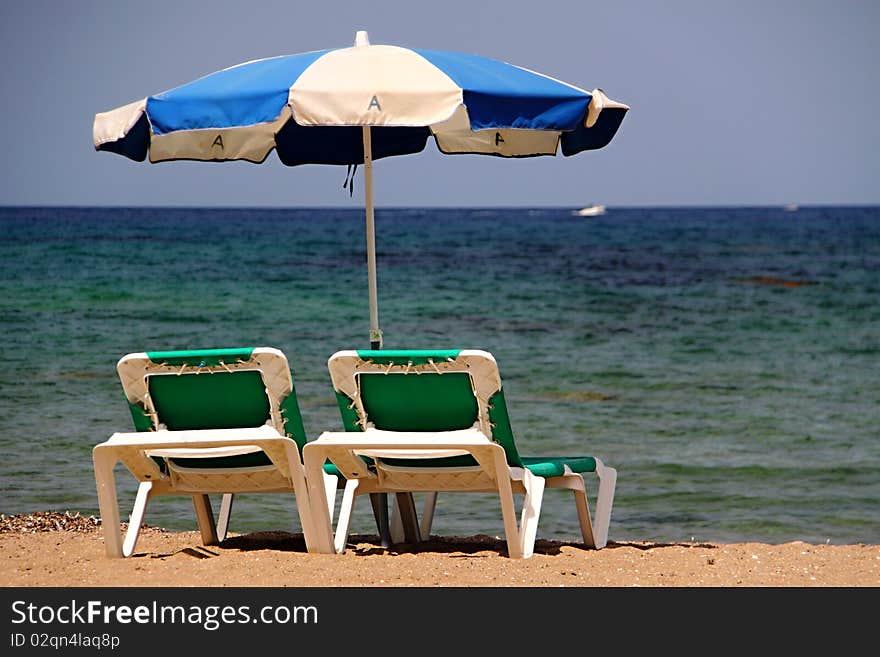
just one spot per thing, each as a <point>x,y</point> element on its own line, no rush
<point>207,421</point>
<point>437,421</point>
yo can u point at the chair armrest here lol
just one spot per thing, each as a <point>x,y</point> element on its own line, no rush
<point>134,448</point>
<point>344,448</point>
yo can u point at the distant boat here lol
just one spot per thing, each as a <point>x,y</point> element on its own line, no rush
<point>791,207</point>
<point>590,211</point>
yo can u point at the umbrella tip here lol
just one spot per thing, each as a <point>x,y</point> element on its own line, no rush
<point>361,38</point>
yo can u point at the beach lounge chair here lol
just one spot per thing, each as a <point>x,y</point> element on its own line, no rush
<point>219,421</point>
<point>437,421</point>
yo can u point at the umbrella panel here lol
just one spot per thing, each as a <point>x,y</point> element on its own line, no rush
<point>298,144</point>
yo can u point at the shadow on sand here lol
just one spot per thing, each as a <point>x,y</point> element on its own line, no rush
<point>369,544</point>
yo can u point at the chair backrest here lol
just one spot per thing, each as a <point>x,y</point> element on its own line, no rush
<point>211,389</point>
<point>422,390</point>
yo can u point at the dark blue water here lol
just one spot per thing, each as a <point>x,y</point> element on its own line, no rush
<point>724,360</point>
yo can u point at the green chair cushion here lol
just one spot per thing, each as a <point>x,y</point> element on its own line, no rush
<point>419,402</point>
<point>252,460</point>
<point>255,459</point>
<point>401,356</point>
<point>554,466</point>
<point>203,357</point>
<point>214,400</point>
<point>446,462</point>
<point>222,400</point>
<point>331,469</point>
<point>425,402</point>
<point>542,466</point>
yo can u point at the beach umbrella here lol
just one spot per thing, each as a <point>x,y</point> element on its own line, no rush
<point>350,106</point>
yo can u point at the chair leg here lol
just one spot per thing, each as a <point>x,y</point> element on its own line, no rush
<point>395,526</point>
<point>511,532</point>
<point>331,483</point>
<point>520,539</point>
<point>345,511</point>
<point>508,510</point>
<point>380,512</point>
<point>531,511</point>
<point>205,518</point>
<point>604,501</point>
<point>319,534</point>
<point>104,461</point>
<point>225,513</point>
<point>404,520</point>
<point>136,521</point>
<point>583,511</point>
<point>428,515</point>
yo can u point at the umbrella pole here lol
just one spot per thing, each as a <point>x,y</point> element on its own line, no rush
<point>379,500</point>
<point>406,507</point>
<point>375,331</point>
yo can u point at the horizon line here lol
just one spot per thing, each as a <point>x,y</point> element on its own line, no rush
<point>445,207</point>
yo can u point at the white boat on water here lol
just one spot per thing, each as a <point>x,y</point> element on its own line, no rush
<point>791,207</point>
<point>590,211</point>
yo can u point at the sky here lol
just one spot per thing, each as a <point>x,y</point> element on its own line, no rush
<point>739,102</point>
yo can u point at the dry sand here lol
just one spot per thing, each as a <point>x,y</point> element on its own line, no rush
<point>50,549</point>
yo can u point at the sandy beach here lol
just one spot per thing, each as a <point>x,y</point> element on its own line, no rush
<point>51,549</point>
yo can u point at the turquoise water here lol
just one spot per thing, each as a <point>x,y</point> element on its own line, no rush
<point>724,360</point>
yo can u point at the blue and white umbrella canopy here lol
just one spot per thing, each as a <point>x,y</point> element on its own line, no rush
<point>310,108</point>
<point>354,105</point>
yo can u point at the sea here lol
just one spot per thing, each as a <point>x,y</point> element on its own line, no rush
<point>725,360</point>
